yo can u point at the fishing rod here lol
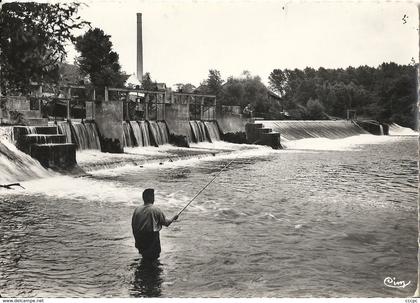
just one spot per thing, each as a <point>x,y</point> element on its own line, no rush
<point>201,190</point>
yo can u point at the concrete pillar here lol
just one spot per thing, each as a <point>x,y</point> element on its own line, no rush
<point>202,108</point>
<point>108,117</point>
<point>127,99</point>
<point>68,103</point>
<point>106,97</point>
<point>68,109</point>
<point>156,104</point>
<point>39,100</point>
<point>146,106</point>
<point>164,107</point>
<point>215,109</point>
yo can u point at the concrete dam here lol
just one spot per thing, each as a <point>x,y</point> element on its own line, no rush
<point>25,151</point>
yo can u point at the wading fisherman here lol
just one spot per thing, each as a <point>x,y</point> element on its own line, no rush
<point>147,221</point>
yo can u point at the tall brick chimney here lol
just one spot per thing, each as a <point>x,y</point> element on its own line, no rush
<point>139,48</point>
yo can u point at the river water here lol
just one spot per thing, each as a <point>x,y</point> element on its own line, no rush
<point>319,219</point>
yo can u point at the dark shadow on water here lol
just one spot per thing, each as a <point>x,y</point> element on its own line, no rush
<point>147,280</point>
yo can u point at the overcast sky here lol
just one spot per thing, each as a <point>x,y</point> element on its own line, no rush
<point>182,40</point>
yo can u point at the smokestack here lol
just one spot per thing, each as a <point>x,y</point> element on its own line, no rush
<point>139,48</point>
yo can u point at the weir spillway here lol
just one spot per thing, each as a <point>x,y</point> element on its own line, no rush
<point>301,129</point>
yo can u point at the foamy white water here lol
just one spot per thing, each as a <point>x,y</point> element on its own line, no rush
<point>66,187</point>
<point>344,144</point>
<point>16,166</point>
<point>189,161</point>
<point>397,130</point>
<point>6,133</point>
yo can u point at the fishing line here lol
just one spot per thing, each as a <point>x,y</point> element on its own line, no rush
<point>201,190</point>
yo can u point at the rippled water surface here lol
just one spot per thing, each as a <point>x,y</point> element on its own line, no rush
<point>292,223</point>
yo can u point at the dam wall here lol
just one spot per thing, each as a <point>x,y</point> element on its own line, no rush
<point>177,118</point>
<point>232,126</point>
<point>108,118</point>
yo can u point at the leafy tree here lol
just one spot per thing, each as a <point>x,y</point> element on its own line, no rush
<point>246,90</point>
<point>32,41</point>
<point>213,84</point>
<point>278,81</point>
<point>70,74</point>
<point>99,61</point>
<point>386,93</point>
<point>315,109</point>
<point>185,88</point>
<point>147,83</point>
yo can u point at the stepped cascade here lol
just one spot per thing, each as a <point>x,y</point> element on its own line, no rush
<point>45,144</point>
<point>300,129</point>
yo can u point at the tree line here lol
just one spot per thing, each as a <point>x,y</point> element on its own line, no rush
<point>34,35</point>
<point>33,41</point>
<point>386,93</point>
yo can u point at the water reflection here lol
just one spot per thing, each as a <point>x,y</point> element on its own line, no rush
<point>147,279</point>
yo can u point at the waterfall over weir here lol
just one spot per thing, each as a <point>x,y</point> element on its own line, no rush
<point>301,129</point>
<point>204,131</point>
<point>64,128</point>
<point>398,130</point>
<point>145,133</point>
<point>17,166</point>
<point>85,134</point>
<point>159,131</point>
<point>198,134</point>
<point>127,135</point>
<point>213,130</point>
<point>139,133</point>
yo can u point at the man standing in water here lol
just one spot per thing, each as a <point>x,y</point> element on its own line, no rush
<point>147,221</point>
